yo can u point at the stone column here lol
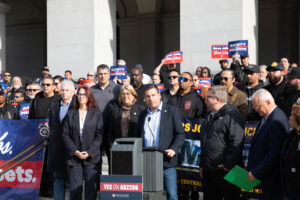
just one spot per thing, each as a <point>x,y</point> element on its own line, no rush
<point>80,35</point>
<point>3,10</point>
<point>215,22</point>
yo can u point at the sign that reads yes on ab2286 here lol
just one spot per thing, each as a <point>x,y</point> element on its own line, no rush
<point>121,187</point>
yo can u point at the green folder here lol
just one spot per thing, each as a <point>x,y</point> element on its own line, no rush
<point>238,177</point>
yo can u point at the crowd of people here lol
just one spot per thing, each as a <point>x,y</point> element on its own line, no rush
<point>86,119</point>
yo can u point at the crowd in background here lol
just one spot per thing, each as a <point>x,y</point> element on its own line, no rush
<point>83,117</point>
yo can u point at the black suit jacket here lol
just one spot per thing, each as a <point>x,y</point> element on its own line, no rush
<point>91,136</point>
<point>171,133</point>
<point>114,121</point>
<point>56,146</point>
<point>264,156</point>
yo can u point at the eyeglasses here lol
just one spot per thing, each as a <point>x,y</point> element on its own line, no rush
<point>225,78</point>
<point>90,75</point>
<point>183,79</point>
<point>56,84</point>
<point>46,84</point>
<point>172,77</point>
<point>17,97</point>
<point>32,90</point>
<point>81,95</point>
<point>6,75</point>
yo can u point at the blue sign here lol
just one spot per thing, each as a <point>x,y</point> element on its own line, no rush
<point>119,71</point>
<point>121,187</point>
<point>238,46</point>
<point>22,181</point>
<point>24,110</point>
<point>2,79</point>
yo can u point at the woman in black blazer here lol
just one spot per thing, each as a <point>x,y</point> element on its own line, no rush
<point>82,134</point>
<point>123,117</point>
<point>290,156</point>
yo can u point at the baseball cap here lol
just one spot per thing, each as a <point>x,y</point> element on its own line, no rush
<point>244,56</point>
<point>294,73</point>
<point>252,68</point>
<point>139,66</point>
<point>46,68</point>
<point>223,60</point>
<point>275,66</point>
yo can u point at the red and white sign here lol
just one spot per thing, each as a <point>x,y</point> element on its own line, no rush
<point>174,57</point>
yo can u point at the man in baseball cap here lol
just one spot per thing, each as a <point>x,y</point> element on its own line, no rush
<point>45,74</point>
<point>291,91</point>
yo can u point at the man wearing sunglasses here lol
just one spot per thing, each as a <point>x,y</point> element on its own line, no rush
<point>187,100</point>
<point>236,97</point>
<point>7,111</point>
<point>169,92</point>
<point>31,91</point>
<point>163,71</point>
<point>40,109</point>
<point>7,79</point>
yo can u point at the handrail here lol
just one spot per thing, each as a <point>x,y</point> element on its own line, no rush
<point>22,153</point>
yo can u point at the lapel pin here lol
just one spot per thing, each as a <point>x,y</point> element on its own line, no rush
<point>165,111</point>
<point>134,113</point>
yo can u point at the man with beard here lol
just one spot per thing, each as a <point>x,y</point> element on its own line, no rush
<point>291,91</point>
<point>187,100</point>
<point>136,80</point>
<point>253,84</point>
<point>276,80</point>
<point>16,85</point>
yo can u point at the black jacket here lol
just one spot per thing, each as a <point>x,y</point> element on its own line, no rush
<point>276,90</point>
<point>114,121</point>
<point>190,105</point>
<point>286,99</point>
<point>239,72</point>
<point>222,139</point>
<point>56,146</point>
<point>9,112</point>
<point>290,164</point>
<point>171,133</point>
<point>91,136</point>
<point>34,111</point>
<point>252,114</point>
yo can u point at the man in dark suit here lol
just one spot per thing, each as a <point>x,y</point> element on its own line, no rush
<point>160,126</point>
<point>264,156</point>
<point>56,147</point>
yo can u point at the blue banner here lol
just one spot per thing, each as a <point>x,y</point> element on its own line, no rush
<point>119,71</point>
<point>238,46</point>
<point>22,181</point>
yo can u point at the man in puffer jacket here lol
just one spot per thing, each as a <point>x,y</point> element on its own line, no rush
<point>222,135</point>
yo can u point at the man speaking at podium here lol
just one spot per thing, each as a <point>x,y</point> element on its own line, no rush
<point>160,126</point>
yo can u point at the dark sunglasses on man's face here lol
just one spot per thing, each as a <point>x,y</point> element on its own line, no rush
<point>46,84</point>
<point>172,77</point>
<point>224,78</point>
<point>6,75</point>
<point>183,79</point>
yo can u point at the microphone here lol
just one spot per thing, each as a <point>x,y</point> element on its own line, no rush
<point>153,142</point>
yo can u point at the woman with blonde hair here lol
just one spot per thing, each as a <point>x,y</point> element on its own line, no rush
<point>290,156</point>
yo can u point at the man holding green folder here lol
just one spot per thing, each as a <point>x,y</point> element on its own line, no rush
<point>222,134</point>
<point>266,145</point>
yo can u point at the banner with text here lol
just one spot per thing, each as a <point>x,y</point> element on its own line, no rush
<point>22,181</point>
<point>174,57</point>
<point>219,51</point>
<point>238,46</point>
<point>119,71</point>
<point>189,156</point>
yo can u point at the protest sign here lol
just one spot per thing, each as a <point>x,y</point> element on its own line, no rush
<point>119,71</point>
<point>205,82</point>
<point>1,79</point>
<point>174,57</point>
<point>219,51</point>
<point>24,110</point>
<point>161,87</point>
<point>198,90</point>
<point>86,83</point>
<point>121,187</point>
<point>22,181</point>
<point>238,46</point>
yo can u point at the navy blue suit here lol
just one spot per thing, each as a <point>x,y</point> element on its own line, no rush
<point>171,135</point>
<point>264,156</point>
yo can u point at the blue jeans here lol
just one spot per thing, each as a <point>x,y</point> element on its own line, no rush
<point>170,183</point>
<point>59,186</point>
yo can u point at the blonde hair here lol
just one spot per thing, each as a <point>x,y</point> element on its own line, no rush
<point>296,114</point>
<point>131,90</point>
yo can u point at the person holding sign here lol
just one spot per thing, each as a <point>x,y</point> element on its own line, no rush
<point>164,71</point>
<point>82,135</point>
<point>221,137</point>
<point>264,155</point>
